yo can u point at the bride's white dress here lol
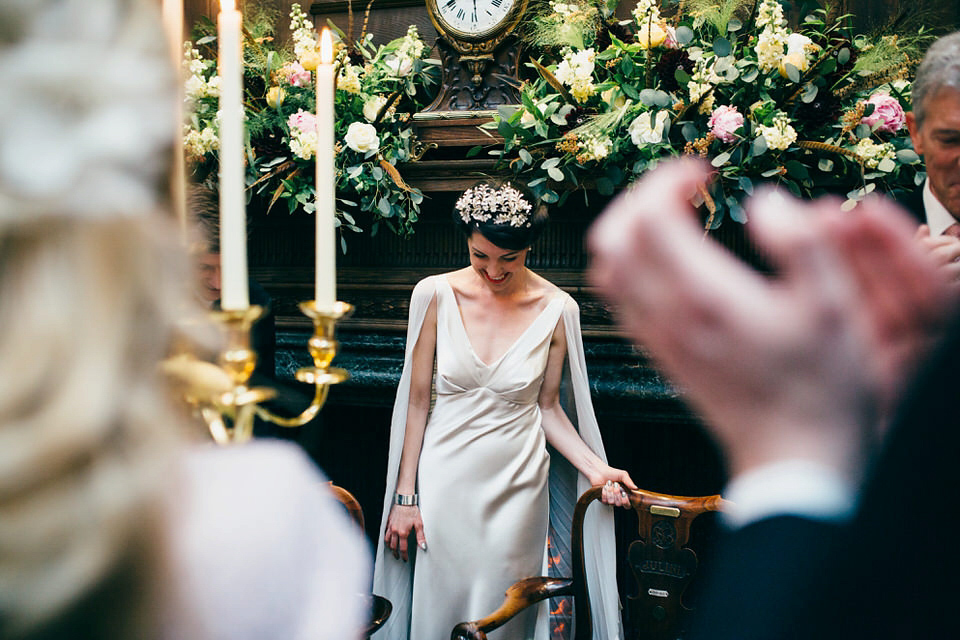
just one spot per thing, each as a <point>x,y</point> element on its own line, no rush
<point>485,481</point>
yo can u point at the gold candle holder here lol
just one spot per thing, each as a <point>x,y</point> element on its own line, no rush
<point>323,348</point>
<point>222,394</point>
<point>238,360</point>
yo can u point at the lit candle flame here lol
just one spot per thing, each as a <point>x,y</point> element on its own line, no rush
<point>228,5</point>
<point>326,46</point>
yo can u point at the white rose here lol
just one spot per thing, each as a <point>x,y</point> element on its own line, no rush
<point>400,65</point>
<point>362,137</point>
<point>797,43</point>
<point>642,133</point>
<point>372,107</point>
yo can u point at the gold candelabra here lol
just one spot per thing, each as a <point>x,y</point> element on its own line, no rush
<point>221,393</point>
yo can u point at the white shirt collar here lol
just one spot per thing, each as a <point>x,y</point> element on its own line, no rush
<point>938,218</point>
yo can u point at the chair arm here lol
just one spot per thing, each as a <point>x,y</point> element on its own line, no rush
<point>519,596</point>
<point>380,612</point>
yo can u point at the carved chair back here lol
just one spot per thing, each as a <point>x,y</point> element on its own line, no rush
<point>661,562</point>
<point>659,559</point>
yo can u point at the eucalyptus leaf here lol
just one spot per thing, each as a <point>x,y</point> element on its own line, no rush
<point>843,56</point>
<point>377,173</point>
<point>734,25</point>
<point>792,73</point>
<point>721,159</point>
<point>722,47</point>
<point>825,165</point>
<point>759,146</point>
<point>384,207</point>
<point>681,76</point>
<point>689,132</point>
<point>550,163</point>
<point>810,92</point>
<point>549,196</point>
<point>526,157</point>
<point>685,35</point>
<point>908,156</point>
<point>746,185</point>
<point>769,173</point>
<point>750,75</point>
<point>737,213</point>
<point>887,165</point>
<point>555,174</point>
<point>863,131</point>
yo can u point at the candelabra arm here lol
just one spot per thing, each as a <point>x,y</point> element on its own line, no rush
<point>323,348</point>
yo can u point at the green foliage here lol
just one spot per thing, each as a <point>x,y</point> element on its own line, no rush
<point>378,88</point>
<point>724,79</point>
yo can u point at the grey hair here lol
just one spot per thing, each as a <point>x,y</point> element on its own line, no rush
<point>940,69</point>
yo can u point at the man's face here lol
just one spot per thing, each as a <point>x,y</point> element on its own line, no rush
<point>938,141</point>
<point>208,276</point>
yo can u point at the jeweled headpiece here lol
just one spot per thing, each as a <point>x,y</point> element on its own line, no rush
<point>503,205</point>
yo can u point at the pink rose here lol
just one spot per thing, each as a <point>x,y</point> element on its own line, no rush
<point>303,121</point>
<point>886,111</point>
<point>724,122</point>
<point>297,75</point>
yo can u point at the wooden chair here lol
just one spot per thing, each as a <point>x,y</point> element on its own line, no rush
<point>381,608</point>
<point>660,561</point>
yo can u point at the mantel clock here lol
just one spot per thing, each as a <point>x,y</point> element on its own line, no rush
<point>479,53</point>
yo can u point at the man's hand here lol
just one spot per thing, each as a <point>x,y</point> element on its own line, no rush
<point>793,366</point>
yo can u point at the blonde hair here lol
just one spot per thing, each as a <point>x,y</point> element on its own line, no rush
<point>90,287</point>
<point>86,427</point>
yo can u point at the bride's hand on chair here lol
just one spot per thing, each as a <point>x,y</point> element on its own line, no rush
<point>400,523</point>
<point>615,484</point>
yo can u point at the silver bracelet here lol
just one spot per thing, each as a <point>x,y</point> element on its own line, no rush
<point>405,500</point>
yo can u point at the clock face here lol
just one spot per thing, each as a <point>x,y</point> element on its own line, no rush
<point>473,17</point>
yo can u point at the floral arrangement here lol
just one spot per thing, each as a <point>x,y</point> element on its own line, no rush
<point>378,87</point>
<point>814,109</point>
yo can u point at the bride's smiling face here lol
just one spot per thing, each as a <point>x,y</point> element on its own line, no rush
<point>497,267</point>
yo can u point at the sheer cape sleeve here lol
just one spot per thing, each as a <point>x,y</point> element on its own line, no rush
<point>393,578</point>
<point>566,486</point>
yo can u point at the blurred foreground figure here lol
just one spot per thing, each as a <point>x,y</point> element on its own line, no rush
<point>110,527</point>
<point>842,525</point>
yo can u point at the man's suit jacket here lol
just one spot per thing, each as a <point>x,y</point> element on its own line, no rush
<point>892,572</point>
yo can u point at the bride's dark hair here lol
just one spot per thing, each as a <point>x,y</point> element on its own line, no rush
<point>506,213</point>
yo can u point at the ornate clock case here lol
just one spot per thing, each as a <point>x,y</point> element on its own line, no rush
<point>479,58</point>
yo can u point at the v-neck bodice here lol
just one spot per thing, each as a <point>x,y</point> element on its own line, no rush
<point>517,372</point>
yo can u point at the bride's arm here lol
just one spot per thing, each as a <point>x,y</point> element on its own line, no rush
<point>403,519</point>
<point>562,435</point>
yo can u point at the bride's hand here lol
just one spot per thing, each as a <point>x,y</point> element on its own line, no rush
<point>401,521</point>
<point>615,482</point>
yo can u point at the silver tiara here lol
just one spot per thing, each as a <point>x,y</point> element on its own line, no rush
<point>505,205</point>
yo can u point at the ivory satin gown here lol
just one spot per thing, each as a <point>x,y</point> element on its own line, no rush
<point>482,477</point>
<point>484,480</point>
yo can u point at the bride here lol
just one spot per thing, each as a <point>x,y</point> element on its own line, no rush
<point>495,465</point>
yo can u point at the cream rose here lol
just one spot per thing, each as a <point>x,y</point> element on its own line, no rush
<point>275,97</point>
<point>372,107</point>
<point>362,137</point>
<point>642,133</point>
